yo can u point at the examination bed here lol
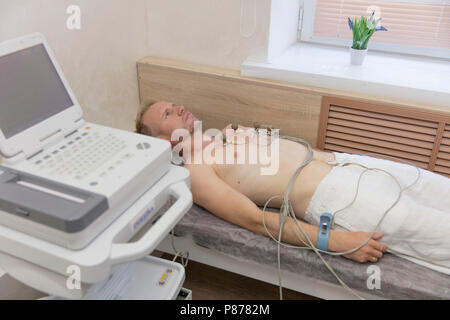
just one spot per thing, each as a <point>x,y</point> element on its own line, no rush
<point>338,121</point>
<point>213,241</point>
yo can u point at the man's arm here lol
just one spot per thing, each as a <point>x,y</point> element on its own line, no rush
<point>212,193</point>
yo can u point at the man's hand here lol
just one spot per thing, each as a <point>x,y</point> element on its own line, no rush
<point>371,252</point>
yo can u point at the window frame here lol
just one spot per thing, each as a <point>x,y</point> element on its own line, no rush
<point>306,30</point>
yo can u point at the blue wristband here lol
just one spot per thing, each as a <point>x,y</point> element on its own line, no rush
<point>324,231</point>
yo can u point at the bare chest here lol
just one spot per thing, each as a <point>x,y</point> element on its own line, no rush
<point>259,173</point>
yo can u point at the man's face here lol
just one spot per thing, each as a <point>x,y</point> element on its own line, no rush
<point>165,117</point>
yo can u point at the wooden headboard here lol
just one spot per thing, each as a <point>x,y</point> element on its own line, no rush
<point>221,96</point>
<point>418,136</point>
<point>328,119</point>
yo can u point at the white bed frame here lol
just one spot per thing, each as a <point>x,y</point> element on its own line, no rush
<point>265,273</point>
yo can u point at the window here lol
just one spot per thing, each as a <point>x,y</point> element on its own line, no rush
<point>415,26</point>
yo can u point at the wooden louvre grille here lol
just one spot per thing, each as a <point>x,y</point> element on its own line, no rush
<point>420,137</point>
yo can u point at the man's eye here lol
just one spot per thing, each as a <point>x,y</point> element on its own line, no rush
<point>166,115</point>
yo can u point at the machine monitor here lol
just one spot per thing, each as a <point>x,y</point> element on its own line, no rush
<point>30,90</point>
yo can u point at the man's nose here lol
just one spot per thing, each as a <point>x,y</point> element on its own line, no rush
<point>180,110</point>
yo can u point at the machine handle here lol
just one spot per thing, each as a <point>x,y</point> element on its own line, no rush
<point>124,252</point>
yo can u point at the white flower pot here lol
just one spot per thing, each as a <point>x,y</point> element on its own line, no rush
<point>357,56</point>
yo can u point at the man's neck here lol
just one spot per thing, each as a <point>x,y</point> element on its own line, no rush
<point>194,146</point>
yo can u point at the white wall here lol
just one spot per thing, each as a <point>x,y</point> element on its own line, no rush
<point>100,59</point>
<point>283,33</point>
<point>214,32</point>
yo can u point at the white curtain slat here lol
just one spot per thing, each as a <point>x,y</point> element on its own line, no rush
<point>363,7</point>
<point>426,27</point>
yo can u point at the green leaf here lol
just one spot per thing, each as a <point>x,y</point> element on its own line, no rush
<point>363,30</point>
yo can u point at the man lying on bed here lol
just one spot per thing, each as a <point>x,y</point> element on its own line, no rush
<point>417,228</point>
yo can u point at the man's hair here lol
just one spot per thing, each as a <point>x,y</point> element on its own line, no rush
<point>140,126</point>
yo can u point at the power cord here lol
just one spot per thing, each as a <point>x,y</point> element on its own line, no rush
<point>182,255</point>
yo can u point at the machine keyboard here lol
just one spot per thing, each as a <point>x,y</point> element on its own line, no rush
<point>81,155</point>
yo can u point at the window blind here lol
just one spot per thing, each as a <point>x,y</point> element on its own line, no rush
<point>422,23</point>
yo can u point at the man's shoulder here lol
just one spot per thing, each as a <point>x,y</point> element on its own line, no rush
<point>200,168</point>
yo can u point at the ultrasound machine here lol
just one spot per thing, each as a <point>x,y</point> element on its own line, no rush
<point>80,196</point>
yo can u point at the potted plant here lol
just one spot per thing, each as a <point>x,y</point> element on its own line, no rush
<point>362,29</point>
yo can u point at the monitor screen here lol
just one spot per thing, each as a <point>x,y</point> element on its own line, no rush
<point>30,90</point>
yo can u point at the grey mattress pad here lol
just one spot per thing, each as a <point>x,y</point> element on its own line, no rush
<point>400,278</point>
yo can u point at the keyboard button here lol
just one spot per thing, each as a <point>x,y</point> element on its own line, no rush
<point>79,160</point>
<point>143,146</point>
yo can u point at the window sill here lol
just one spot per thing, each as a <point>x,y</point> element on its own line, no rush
<point>402,77</point>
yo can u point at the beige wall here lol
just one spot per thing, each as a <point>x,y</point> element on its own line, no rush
<point>220,33</point>
<point>100,59</point>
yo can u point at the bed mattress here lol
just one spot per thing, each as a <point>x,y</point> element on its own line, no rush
<point>400,278</point>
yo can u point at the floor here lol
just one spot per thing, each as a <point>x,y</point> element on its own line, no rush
<point>205,282</point>
<point>11,289</point>
<point>209,283</point>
